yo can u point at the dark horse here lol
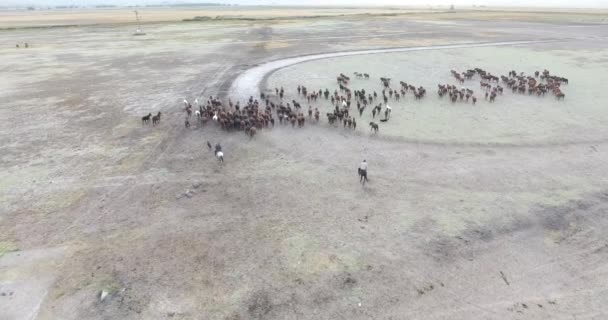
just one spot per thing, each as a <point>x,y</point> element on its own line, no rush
<point>373,126</point>
<point>156,119</point>
<point>146,119</point>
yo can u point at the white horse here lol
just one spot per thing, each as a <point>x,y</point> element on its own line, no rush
<point>220,156</point>
<point>215,116</point>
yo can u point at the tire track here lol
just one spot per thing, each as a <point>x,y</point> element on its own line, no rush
<point>248,83</point>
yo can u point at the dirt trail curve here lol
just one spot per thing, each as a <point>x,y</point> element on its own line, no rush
<point>252,81</point>
<point>248,83</point>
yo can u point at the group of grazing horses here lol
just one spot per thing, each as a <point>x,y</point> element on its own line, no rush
<point>342,116</point>
<point>454,93</point>
<point>486,83</point>
<point>539,84</point>
<point>360,75</point>
<point>257,114</point>
<point>155,119</point>
<point>534,84</point>
<point>232,117</point>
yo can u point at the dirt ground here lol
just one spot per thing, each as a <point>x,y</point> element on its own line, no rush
<point>113,16</point>
<point>91,201</point>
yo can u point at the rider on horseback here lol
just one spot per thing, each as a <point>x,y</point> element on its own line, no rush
<point>363,172</point>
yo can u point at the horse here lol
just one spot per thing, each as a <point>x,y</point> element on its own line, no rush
<point>301,120</point>
<point>220,156</point>
<point>156,119</point>
<point>373,126</point>
<point>146,119</point>
<point>251,132</point>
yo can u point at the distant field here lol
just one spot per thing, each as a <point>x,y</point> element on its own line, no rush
<point>42,18</point>
<point>125,15</point>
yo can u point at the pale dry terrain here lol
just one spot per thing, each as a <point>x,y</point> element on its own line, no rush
<point>505,221</point>
<point>60,17</point>
<point>113,16</point>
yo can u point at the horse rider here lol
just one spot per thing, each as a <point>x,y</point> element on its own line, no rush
<point>218,148</point>
<point>363,171</point>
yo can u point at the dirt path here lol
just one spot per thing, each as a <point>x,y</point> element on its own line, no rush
<point>248,83</point>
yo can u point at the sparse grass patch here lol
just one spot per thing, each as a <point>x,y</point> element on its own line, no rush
<point>6,247</point>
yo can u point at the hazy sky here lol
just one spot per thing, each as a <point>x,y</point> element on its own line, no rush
<point>541,3</point>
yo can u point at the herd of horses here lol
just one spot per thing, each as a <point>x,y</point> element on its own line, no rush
<point>260,113</point>
<point>155,119</point>
<point>517,82</point>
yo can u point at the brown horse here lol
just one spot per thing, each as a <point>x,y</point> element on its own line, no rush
<point>301,119</point>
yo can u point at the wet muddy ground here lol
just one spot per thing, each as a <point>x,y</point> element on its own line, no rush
<point>496,211</point>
